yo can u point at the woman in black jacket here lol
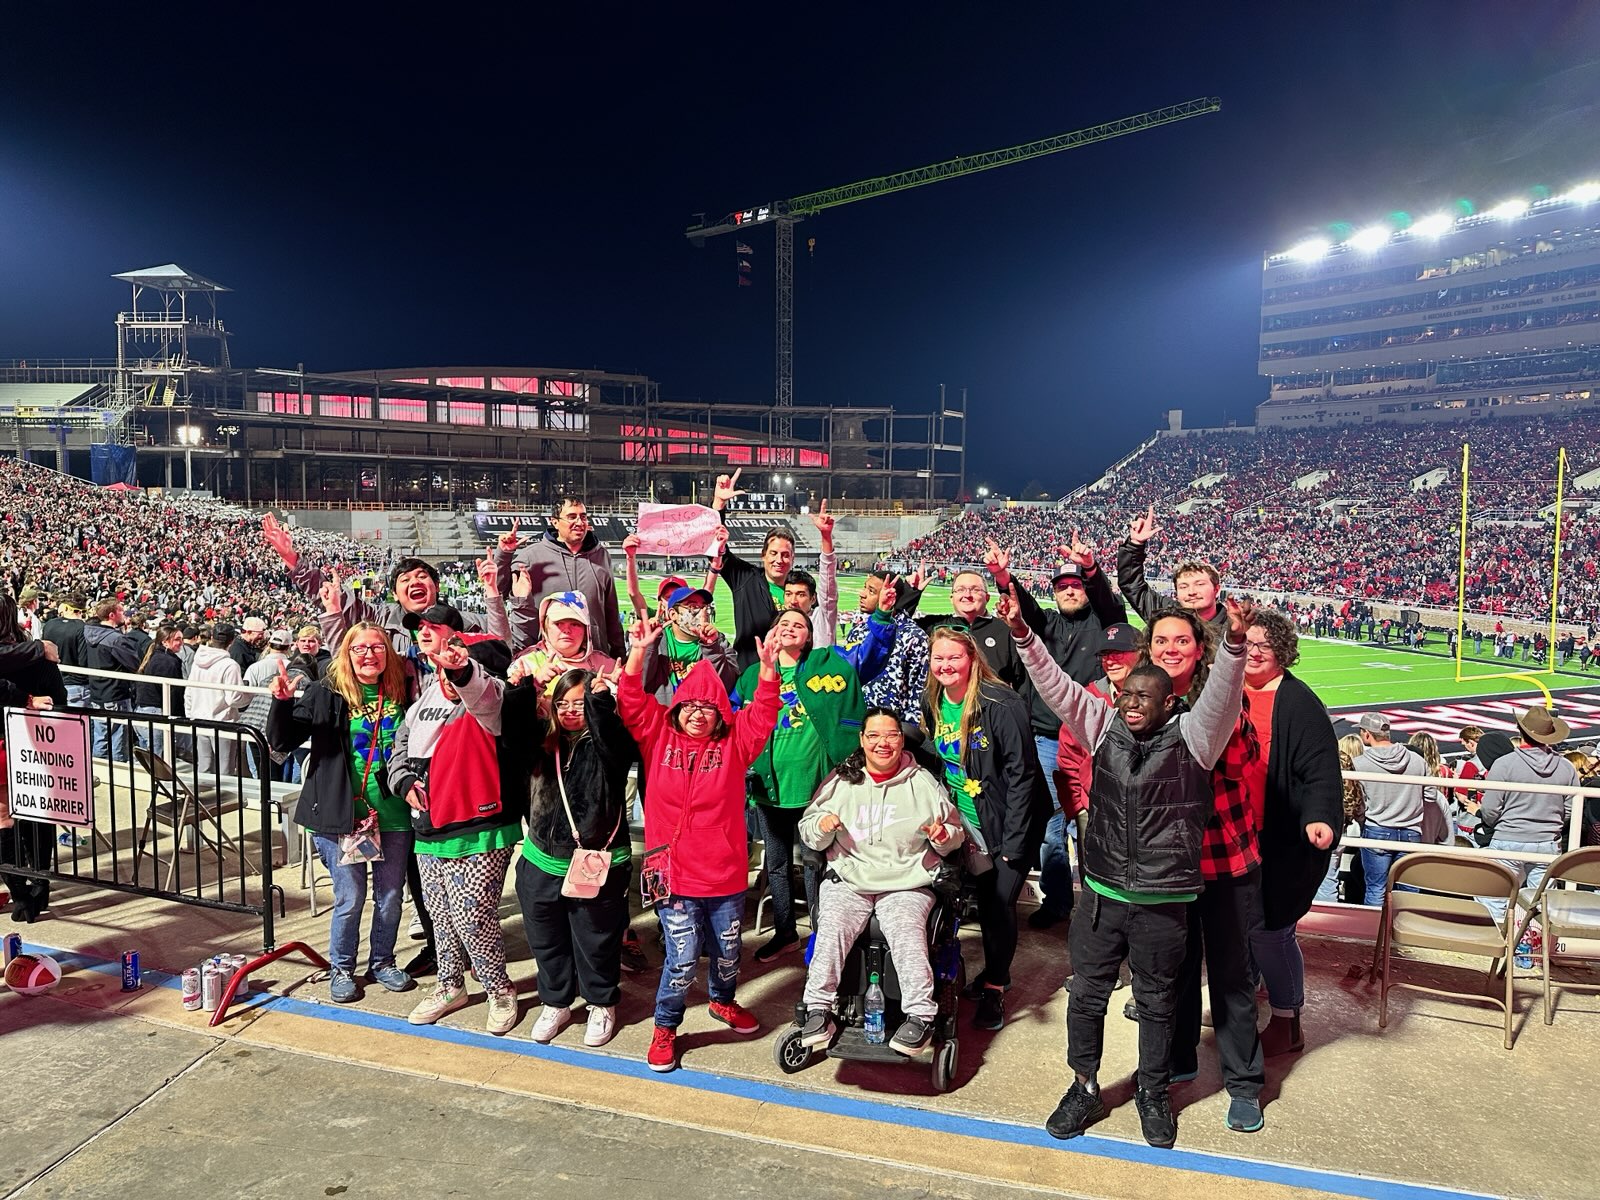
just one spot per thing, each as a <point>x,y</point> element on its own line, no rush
<point>578,771</point>
<point>1303,809</point>
<point>983,737</point>
<point>351,717</point>
<point>160,661</point>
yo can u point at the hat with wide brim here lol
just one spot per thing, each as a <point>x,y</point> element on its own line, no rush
<point>1540,724</point>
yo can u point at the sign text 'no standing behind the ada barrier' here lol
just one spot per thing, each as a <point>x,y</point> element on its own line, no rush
<point>51,778</point>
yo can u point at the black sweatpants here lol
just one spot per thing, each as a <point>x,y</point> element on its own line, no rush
<point>29,844</point>
<point>780,829</point>
<point>414,886</point>
<point>576,944</point>
<point>1220,925</point>
<point>997,892</point>
<point>1151,938</point>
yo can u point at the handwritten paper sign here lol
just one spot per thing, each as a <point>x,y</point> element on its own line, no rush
<point>677,529</point>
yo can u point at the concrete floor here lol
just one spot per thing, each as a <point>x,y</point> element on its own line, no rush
<point>1433,1102</point>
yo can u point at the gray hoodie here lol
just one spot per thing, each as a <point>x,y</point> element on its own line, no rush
<point>881,846</point>
<point>1393,805</point>
<point>1528,816</point>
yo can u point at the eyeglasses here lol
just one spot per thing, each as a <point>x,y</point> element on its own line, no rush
<point>368,651</point>
<point>873,739</point>
<point>689,707</point>
<point>575,518</point>
<point>569,706</point>
<point>969,591</point>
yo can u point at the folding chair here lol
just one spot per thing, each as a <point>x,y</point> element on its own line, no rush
<point>1447,915</point>
<point>173,803</point>
<point>1564,912</point>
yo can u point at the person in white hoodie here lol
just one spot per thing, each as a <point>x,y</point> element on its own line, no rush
<point>213,664</point>
<point>885,824</point>
<point>1529,822</point>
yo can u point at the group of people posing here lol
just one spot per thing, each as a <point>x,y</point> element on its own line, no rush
<point>1198,776</point>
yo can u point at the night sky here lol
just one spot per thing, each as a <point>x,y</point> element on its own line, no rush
<point>452,190</point>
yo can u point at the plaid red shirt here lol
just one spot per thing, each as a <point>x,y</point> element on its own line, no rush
<point>1232,845</point>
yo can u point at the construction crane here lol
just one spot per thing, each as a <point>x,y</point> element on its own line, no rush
<point>784,215</point>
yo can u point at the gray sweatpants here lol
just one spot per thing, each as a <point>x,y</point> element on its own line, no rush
<point>903,917</point>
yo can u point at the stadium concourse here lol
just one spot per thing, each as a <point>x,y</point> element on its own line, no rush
<point>1418,1111</point>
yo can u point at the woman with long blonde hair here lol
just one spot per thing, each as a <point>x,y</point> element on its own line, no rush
<point>350,717</point>
<point>983,735</point>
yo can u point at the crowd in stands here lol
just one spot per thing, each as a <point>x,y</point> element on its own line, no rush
<point>1360,532</point>
<point>189,561</point>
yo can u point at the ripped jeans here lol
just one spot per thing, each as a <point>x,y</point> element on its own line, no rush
<point>687,923</point>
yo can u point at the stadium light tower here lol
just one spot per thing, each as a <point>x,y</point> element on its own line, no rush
<point>784,215</point>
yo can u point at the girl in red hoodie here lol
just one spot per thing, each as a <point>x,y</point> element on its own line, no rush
<point>694,756</point>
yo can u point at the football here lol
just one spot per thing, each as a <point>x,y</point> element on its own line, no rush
<point>32,974</point>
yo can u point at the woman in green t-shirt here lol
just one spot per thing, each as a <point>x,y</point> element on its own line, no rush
<point>818,727</point>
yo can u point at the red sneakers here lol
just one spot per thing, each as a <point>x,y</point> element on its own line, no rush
<point>663,1052</point>
<point>735,1016</point>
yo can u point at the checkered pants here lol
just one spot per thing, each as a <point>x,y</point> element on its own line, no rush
<point>463,898</point>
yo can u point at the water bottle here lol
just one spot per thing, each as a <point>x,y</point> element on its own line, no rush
<point>1523,957</point>
<point>873,1024</point>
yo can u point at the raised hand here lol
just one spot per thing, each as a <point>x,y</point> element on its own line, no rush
<point>488,575</point>
<point>937,833</point>
<point>545,673</point>
<point>282,687</point>
<point>452,657</point>
<point>331,593</point>
<point>727,489</point>
<point>521,584</point>
<point>517,672</point>
<point>919,578</point>
<point>278,538</point>
<point>886,595</point>
<point>646,632</point>
<point>767,651</point>
<point>721,544</point>
<point>995,560</point>
<point>824,524</point>
<point>1240,614</point>
<point>630,545</point>
<point>510,541</point>
<point>1144,528</point>
<point>1077,551</point>
<point>1009,611</point>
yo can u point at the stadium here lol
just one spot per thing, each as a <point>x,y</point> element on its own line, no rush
<point>1435,598</point>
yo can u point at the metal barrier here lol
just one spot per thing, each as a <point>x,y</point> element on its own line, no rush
<point>172,807</point>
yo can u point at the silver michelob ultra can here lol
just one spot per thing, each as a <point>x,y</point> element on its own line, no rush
<point>234,964</point>
<point>12,948</point>
<point>191,989</point>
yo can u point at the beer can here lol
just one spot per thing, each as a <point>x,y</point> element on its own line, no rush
<point>191,988</point>
<point>13,947</point>
<point>132,977</point>
<point>235,964</point>
<point>210,985</point>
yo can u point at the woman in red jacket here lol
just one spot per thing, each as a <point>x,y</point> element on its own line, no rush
<point>695,755</point>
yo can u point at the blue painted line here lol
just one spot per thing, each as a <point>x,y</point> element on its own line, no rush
<point>882,1111</point>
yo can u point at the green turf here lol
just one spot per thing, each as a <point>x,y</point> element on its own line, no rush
<point>1341,673</point>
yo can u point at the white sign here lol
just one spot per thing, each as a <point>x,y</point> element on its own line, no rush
<point>678,529</point>
<point>50,775</point>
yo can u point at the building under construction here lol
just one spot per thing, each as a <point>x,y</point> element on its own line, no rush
<point>170,410</point>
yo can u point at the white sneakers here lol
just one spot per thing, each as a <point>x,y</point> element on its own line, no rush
<point>502,1012</point>
<point>551,1022</point>
<point>440,1001</point>
<point>602,1026</point>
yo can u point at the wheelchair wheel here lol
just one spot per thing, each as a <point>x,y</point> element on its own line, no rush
<point>789,1054</point>
<point>945,1059</point>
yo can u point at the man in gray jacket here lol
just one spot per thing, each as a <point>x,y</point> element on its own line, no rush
<point>568,558</point>
<point>1531,822</point>
<point>1394,810</point>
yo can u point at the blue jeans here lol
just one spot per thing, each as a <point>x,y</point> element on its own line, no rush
<point>350,893</point>
<point>1055,868</point>
<point>1375,863</point>
<point>1328,890</point>
<point>1534,871</point>
<point>1277,955</point>
<point>114,732</point>
<point>686,923</point>
<point>152,736</point>
<point>78,695</point>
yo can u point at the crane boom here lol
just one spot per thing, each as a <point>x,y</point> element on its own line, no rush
<point>785,214</point>
<point>883,185</point>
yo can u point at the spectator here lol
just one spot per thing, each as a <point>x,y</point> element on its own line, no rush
<point>758,591</point>
<point>568,558</point>
<point>160,661</point>
<point>1437,827</point>
<point>109,650</point>
<point>246,647</point>
<point>1394,809</point>
<point>1529,822</point>
<point>213,664</point>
